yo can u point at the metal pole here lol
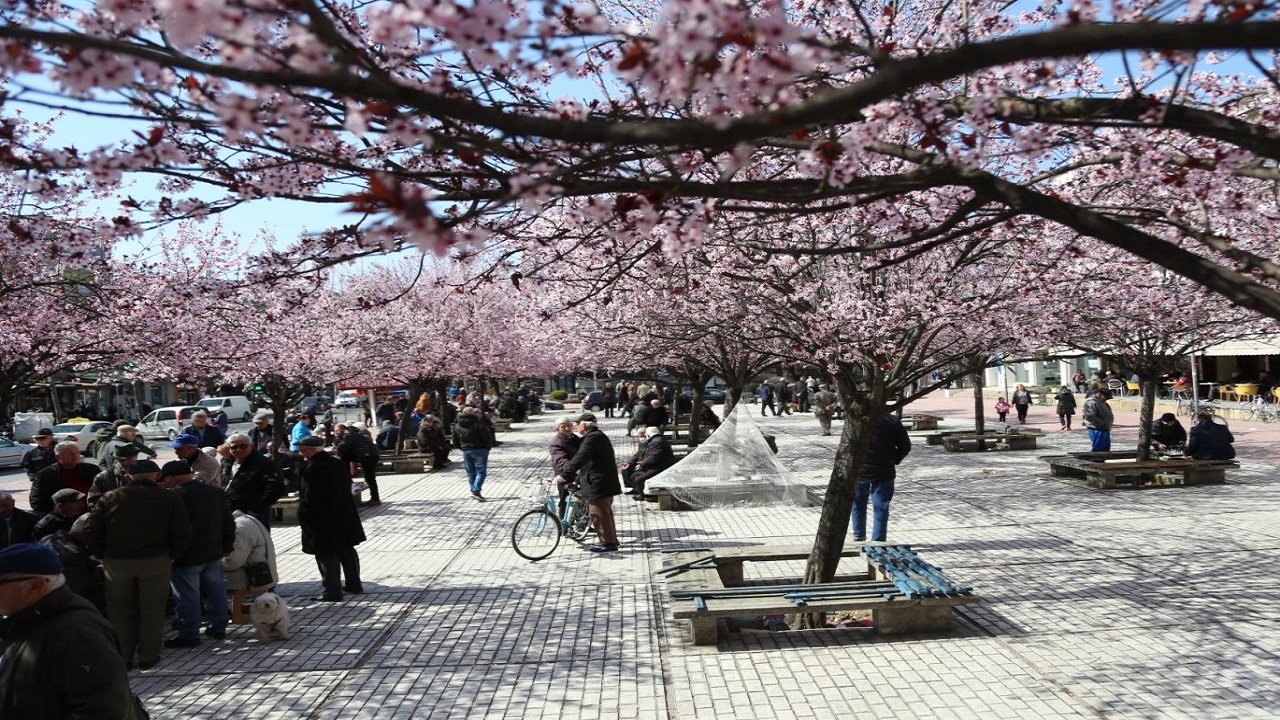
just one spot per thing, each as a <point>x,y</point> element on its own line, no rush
<point>1195,387</point>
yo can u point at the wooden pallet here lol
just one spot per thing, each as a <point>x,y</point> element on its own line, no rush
<point>706,586</point>
<point>989,441</point>
<point>1138,474</point>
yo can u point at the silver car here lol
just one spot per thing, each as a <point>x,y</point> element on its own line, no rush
<point>83,432</point>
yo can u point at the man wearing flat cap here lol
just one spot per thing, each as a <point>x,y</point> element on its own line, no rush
<point>597,472</point>
<point>68,504</point>
<point>331,527</point>
<point>113,475</point>
<point>60,656</point>
<point>137,530</point>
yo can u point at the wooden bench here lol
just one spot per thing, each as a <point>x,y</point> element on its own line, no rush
<point>410,463</point>
<point>903,593</point>
<point>1136,474</point>
<point>989,441</point>
<point>920,421</point>
<point>285,510</point>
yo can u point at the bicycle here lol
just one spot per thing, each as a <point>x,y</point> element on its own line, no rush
<point>1260,411</point>
<point>536,534</point>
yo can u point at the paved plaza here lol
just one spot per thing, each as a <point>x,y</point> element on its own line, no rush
<point>1117,604</point>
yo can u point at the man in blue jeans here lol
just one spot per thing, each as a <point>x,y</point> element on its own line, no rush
<point>198,570</point>
<point>473,435</point>
<point>1099,419</point>
<point>889,445</point>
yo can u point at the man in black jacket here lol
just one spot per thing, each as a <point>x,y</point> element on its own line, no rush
<point>16,526</point>
<point>889,445</point>
<point>41,456</point>
<point>655,456</point>
<point>597,472</point>
<point>70,471</point>
<point>356,448</point>
<point>474,436</point>
<point>60,655</point>
<point>250,479</point>
<point>68,505</point>
<point>199,568</point>
<point>331,527</point>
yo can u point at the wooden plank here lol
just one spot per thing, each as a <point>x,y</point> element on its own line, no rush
<point>764,553</point>
<point>776,604</point>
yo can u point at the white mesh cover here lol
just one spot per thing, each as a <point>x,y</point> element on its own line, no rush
<point>733,467</point>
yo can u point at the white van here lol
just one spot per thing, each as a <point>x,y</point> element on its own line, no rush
<point>237,407</point>
<point>167,422</point>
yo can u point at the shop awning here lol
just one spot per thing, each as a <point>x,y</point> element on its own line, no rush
<point>1269,345</point>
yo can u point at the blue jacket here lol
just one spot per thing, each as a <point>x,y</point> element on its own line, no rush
<point>1210,441</point>
<point>889,445</point>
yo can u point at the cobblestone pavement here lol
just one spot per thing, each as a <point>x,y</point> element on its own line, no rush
<point>1097,604</point>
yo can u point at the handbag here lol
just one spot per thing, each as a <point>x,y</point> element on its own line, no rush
<point>258,574</point>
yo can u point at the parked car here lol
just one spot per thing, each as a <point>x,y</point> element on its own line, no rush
<point>313,402</point>
<point>593,401</point>
<point>84,433</point>
<point>167,422</point>
<point>714,395</point>
<point>11,453</point>
<point>237,407</point>
<point>348,399</point>
<point>552,405</point>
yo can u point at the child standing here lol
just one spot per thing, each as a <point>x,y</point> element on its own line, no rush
<point>1002,408</point>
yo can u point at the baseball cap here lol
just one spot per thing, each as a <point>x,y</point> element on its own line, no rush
<point>29,559</point>
<point>43,432</point>
<point>184,440</point>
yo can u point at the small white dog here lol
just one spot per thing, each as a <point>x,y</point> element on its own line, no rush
<point>270,616</point>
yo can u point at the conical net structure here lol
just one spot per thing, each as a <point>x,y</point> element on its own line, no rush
<point>733,467</point>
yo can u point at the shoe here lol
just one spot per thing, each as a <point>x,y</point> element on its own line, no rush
<point>372,503</point>
<point>477,496</point>
<point>353,589</point>
<point>181,642</point>
<point>601,548</point>
<point>215,634</point>
<point>148,664</point>
<point>327,598</point>
<point>859,539</point>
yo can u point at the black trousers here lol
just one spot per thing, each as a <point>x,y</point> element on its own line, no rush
<point>370,467</point>
<point>344,561</point>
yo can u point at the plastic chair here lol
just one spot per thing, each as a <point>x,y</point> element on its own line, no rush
<point>1133,387</point>
<point>1117,387</point>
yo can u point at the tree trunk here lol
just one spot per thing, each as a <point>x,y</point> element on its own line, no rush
<point>1146,415</point>
<point>862,410</point>
<point>979,419</point>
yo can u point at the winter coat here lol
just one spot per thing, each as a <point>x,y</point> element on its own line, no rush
<point>1066,403</point>
<point>326,511</point>
<point>213,529</point>
<point>355,446</point>
<point>563,448</point>
<point>253,545</point>
<point>140,520</point>
<point>49,481</point>
<point>1169,435</point>
<point>255,487</point>
<point>84,575</point>
<point>21,528</point>
<point>473,432</point>
<point>1098,415</point>
<point>209,436</point>
<point>654,457</point>
<point>61,661</point>
<point>206,469</point>
<point>889,445</point>
<point>1210,441</point>
<point>37,459</point>
<point>596,466</point>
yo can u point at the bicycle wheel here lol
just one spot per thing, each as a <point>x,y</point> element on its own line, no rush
<point>579,527</point>
<point>535,534</point>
